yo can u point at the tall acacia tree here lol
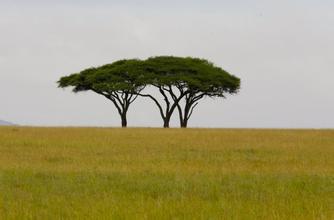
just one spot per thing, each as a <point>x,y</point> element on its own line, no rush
<point>120,82</point>
<point>187,79</point>
<point>204,80</point>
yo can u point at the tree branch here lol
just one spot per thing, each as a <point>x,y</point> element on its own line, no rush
<point>192,110</point>
<point>156,102</point>
<point>166,99</point>
<point>133,98</point>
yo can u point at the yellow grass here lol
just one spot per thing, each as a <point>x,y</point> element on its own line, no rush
<point>99,173</point>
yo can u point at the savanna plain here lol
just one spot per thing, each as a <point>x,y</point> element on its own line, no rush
<point>147,173</point>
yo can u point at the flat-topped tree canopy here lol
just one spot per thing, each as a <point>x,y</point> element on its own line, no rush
<point>190,74</point>
<point>123,75</point>
<point>188,79</point>
<point>120,82</point>
<point>120,76</point>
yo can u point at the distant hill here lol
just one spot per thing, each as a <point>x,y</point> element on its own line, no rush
<point>6,123</point>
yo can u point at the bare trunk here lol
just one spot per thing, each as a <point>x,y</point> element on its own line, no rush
<point>124,120</point>
<point>166,121</point>
<point>184,123</point>
<point>184,116</point>
<point>166,124</point>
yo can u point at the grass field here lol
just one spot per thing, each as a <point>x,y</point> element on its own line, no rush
<point>99,173</point>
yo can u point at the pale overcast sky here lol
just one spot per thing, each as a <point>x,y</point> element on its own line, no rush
<point>283,50</point>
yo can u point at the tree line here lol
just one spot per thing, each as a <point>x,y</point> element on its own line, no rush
<point>181,83</point>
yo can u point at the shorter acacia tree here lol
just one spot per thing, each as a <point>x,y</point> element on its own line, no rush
<point>120,82</point>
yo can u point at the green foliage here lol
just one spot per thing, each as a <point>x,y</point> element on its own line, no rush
<point>120,76</point>
<point>193,74</point>
<point>197,75</point>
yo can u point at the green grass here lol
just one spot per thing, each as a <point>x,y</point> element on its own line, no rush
<point>96,173</point>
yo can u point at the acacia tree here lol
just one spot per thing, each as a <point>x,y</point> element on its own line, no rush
<point>120,82</point>
<point>187,79</point>
<point>205,80</point>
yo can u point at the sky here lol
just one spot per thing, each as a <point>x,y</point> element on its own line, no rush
<point>283,51</point>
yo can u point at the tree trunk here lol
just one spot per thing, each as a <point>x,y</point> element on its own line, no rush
<point>167,120</point>
<point>184,118</point>
<point>124,120</point>
<point>184,123</point>
<point>166,123</point>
